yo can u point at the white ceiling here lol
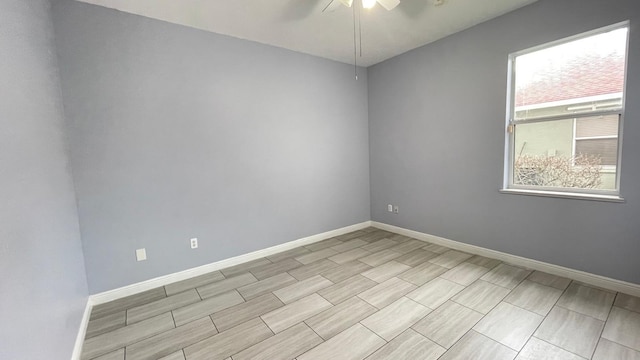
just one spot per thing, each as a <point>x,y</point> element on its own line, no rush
<point>300,25</point>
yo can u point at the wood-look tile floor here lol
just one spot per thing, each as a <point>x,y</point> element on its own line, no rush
<point>369,295</point>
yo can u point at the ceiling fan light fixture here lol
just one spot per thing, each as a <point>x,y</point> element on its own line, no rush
<point>368,4</point>
<point>389,4</point>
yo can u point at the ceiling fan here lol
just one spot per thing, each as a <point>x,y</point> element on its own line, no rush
<point>367,4</point>
<point>299,10</point>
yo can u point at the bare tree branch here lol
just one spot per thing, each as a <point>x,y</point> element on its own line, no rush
<point>581,171</point>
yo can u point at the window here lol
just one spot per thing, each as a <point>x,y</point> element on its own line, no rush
<point>566,105</point>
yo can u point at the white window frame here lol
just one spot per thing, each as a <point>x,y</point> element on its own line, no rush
<point>511,123</point>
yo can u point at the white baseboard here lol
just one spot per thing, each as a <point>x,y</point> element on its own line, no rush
<point>132,289</point>
<point>77,348</point>
<point>585,277</point>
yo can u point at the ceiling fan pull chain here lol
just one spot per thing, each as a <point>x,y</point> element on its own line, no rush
<point>355,48</point>
<point>360,28</point>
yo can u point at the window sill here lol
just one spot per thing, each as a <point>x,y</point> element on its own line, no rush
<point>564,195</point>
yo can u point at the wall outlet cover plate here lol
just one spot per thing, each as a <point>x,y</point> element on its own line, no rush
<point>141,254</point>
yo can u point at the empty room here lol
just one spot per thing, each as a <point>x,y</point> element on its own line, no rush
<point>320,179</point>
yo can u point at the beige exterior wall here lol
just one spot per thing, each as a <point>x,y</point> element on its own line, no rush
<point>553,138</point>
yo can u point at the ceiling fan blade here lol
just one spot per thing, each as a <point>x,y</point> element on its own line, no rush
<point>389,4</point>
<point>332,6</point>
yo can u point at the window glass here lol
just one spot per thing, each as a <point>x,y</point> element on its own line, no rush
<point>566,108</point>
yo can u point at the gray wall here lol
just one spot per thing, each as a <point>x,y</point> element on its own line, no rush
<point>437,118</point>
<point>179,133</point>
<point>43,288</point>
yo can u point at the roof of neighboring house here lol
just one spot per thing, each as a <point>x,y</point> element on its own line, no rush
<point>586,75</point>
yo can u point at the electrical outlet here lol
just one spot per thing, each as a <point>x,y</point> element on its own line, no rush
<point>141,254</point>
<point>390,208</point>
<point>395,209</point>
<point>194,243</point>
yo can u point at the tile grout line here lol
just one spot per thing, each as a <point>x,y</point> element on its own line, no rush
<point>405,330</point>
<point>267,325</point>
<point>615,295</point>
<point>452,345</point>
<point>242,296</point>
<point>173,319</point>
<point>314,330</point>
<point>466,287</point>
<point>570,352</point>
<point>483,316</point>
<point>622,345</point>
<point>578,312</point>
<point>488,312</point>
<point>374,333</point>
<point>604,325</point>
<point>527,310</point>
<point>466,307</point>
<point>410,327</point>
<point>545,318</point>
<point>141,339</point>
<point>214,324</point>
<point>323,340</point>
<point>624,308</point>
